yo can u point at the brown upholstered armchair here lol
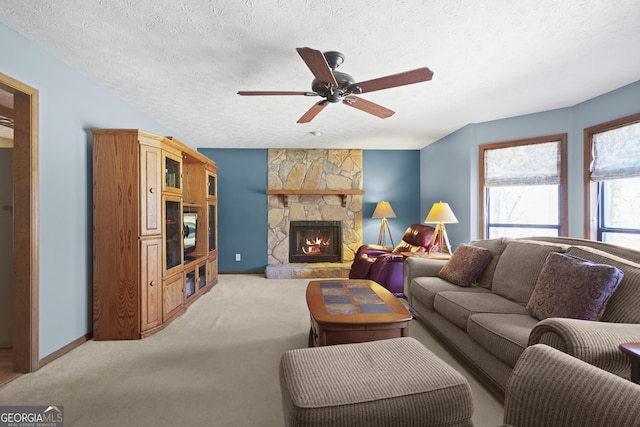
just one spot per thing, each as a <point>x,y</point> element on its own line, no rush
<point>384,265</point>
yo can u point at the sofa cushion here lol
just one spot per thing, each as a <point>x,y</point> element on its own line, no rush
<point>518,268</point>
<point>623,304</point>
<point>425,289</point>
<point>496,246</point>
<point>503,335</point>
<point>466,263</point>
<point>456,306</point>
<point>572,287</point>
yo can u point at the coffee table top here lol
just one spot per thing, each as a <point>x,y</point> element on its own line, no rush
<point>353,301</point>
<point>631,349</point>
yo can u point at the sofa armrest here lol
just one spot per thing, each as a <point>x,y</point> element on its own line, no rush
<point>365,256</point>
<point>593,342</point>
<point>420,267</point>
<point>387,271</point>
<point>550,388</point>
<point>373,251</point>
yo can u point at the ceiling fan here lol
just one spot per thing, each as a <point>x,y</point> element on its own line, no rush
<point>335,86</point>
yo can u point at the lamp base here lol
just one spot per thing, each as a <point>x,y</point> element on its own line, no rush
<point>384,228</point>
<point>440,241</point>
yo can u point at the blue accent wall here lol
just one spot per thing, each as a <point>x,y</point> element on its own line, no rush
<point>449,166</point>
<point>242,208</point>
<point>392,176</point>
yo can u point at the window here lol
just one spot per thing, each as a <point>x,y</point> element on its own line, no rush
<point>523,188</point>
<point>612,182</point>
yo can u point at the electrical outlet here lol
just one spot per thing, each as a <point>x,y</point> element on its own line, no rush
<point>237,257</point>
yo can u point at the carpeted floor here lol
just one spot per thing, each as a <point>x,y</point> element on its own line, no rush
<point>216,365</point>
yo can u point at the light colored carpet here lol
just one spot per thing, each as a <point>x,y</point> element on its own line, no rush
<point>216,365</point>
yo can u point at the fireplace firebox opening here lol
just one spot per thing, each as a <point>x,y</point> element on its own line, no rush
<point>315,241</point>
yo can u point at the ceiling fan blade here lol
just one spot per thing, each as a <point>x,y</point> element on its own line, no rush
<point>318,65</point>
<point>408,77</point>
<point>313,111</point>
<point>368,107</point>
<point>262,93</point>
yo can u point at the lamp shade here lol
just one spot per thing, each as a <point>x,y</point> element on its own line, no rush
<point>383,210</point>
<point>441,213</point>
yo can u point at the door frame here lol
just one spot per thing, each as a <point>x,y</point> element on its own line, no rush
<point>25,225</point>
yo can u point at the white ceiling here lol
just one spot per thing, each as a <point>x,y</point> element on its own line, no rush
<point>182,62</point>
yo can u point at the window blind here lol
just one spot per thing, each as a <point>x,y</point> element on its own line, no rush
<point>616,153</point>
<point>531,164</point>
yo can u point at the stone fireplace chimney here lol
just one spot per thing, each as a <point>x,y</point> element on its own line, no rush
<point>299,178</point>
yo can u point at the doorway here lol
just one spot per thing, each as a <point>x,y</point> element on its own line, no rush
<point>19,111</point>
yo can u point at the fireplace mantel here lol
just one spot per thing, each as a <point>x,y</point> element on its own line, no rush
<point>286,193</point>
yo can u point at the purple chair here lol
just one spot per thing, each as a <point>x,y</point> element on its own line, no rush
<point>383,265</point>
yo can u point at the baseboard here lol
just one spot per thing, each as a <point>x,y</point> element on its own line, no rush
<point>67,348</point>
<point>241,272</point>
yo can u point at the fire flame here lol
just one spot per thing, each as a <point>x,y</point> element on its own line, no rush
<point>315,246</point>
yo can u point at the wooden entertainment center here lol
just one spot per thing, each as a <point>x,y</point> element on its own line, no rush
<point>155,248</point>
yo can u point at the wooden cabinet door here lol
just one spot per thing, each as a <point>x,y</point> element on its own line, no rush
<point>212,270</point>
<point>150,190</point>
<point>172,296</point>
<point>150,282</point>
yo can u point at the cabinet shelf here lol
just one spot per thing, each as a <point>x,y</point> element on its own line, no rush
<point>286,193</point>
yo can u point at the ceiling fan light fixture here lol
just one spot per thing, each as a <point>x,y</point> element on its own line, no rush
<point>316,133</point>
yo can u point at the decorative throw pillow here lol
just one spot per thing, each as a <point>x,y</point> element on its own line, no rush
<point>572,287</point>
<point>466,263</point>
<point>496,246</point>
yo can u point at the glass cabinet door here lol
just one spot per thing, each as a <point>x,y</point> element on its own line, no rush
<point>190,283</point>
<point>172,172</point>
<point>202,276</point>
<point>212,227</point>
<point>211,184</point>
<point>173,234</point>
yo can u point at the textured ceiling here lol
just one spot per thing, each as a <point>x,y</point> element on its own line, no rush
<point>182,62</point>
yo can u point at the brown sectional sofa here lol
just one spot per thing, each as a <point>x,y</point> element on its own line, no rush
<point>488,326</point>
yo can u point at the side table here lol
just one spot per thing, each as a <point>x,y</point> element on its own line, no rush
<point>633,351</point>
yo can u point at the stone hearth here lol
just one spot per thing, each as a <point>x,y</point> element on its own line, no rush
<point>292,169</point>
<point>308,270</point>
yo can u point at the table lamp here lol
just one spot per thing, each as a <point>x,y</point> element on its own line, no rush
<point>384,210</point>
<point>440,214</point>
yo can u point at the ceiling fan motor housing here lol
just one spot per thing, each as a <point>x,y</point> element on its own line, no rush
<point>325,90</point>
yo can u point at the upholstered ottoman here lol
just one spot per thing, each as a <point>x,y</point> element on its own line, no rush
<point>394,382</point>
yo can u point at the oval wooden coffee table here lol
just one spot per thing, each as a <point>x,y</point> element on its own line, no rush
<point>351,311</point>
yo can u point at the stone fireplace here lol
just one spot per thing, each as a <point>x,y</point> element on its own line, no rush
<point>310,186</point>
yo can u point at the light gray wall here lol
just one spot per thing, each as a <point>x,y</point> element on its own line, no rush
<point>6,245</point>
<point>70,105</point>
<point>449,167</point>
